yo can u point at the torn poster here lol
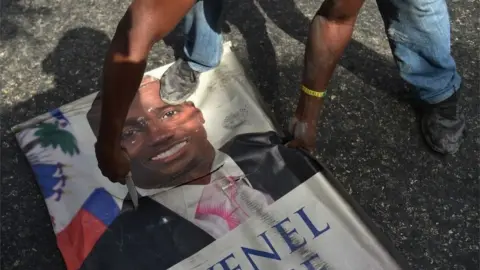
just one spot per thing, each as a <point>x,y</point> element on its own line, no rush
<point>217,187</point>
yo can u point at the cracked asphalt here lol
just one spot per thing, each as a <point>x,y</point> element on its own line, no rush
<point>52,52</point>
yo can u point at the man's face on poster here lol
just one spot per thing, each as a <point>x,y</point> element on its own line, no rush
<point>164,142</point>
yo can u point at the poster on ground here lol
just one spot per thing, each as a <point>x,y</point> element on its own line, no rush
<point>218,187</point>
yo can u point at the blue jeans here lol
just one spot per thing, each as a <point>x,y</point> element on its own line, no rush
<point>418,32</point>
<point>419,36</point>
<point>203,38</point>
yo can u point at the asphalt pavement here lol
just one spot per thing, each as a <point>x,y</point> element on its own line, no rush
<point>52,52</point>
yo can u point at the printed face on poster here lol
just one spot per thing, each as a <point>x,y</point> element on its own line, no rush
<point>167,144</point>
<point>170,145</point>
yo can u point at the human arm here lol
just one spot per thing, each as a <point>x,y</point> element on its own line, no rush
<point>144,23</point>
<point>330,32</point>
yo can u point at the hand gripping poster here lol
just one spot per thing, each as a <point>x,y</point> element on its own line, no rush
<point>218,189</point>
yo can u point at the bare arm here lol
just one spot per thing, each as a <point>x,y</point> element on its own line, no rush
<point>330,32</point>
<point>144,23</point>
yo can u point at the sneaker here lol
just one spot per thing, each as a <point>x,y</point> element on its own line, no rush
<point>178,83</point>
<point>443,125</point>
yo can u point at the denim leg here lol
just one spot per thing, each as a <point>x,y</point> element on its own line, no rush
<point>419,36</point>
<point>203,38</point>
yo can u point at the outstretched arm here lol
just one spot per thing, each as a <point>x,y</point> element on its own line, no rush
<point>330,32</point>
<point>144,23</point>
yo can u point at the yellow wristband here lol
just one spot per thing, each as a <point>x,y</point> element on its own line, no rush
<point>313,93</point>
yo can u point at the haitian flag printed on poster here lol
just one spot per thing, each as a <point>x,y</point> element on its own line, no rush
<point>218,188</point>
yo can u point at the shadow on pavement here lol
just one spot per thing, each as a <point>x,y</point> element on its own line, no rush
<point>28,241</point>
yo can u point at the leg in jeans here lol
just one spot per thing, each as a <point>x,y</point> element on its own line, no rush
<point>202,49</point>
<point>419,35</point>
<point>203,38</point>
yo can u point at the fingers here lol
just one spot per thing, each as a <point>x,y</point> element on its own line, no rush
<point>292,124</point>
<point>298,130</point>
<point>299,144</point>
<point>111,176</point>
<point>114,171</point>
<point>121,180</point>
<point>293,144</point>
<point>116,178</point>
<point>114,165</point>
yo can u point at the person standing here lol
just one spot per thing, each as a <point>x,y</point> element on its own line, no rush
<point>419,35</point>
<point>418,31</point>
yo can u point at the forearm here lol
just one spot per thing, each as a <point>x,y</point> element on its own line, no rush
<point>145,23</point>
<point>330,32</point>
<point>326,43</point>
<point>121,78</point>
<point>122,73</point>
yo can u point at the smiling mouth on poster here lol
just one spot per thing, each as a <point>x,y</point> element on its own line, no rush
<point>212,186</point>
